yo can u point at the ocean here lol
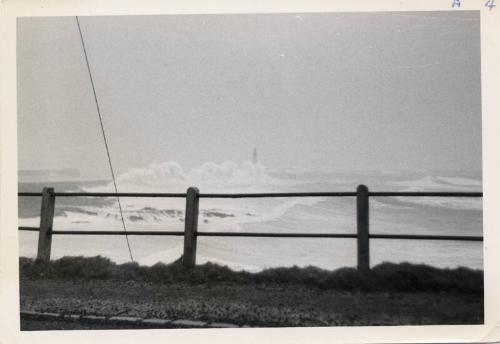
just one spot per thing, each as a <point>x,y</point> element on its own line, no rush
<point>401,215</point>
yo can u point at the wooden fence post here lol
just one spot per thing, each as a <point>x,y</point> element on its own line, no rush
<point>190,227</point>
<point>363,221</point>
<point>46,221</point>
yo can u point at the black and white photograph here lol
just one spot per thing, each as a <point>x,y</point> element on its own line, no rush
<point>250,170</point>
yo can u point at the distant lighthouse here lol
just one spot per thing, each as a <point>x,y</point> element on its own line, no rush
<point>254,156</point>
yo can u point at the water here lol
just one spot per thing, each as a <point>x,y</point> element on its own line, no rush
<point>402,215</point>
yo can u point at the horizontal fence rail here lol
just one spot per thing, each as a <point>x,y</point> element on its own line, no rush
<point>262,234</point>
<point>259,195</point>
<point>426,237</point>
<point>425,194</point>
<point>278,194</point>
<point>191,232</point>
<point>105,194</point>
<point>106,232</point>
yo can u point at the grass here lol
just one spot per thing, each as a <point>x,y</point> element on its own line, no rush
<point>385,277</point>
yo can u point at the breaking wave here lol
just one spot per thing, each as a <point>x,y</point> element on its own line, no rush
<point>170,176</point>
<point>441,183</point>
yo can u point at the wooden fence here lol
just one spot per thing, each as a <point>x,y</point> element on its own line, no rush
<point>191,233</point>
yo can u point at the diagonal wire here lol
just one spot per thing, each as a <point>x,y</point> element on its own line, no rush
<point>105,140</point>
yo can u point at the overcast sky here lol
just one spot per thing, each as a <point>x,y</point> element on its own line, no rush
<point>379,91</point>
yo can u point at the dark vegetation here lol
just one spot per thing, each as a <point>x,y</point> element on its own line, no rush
<point>385,277</point>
